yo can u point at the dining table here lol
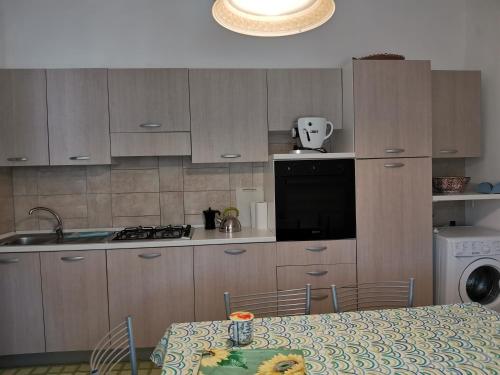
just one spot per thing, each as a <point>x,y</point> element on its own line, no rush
<point>445,339</point>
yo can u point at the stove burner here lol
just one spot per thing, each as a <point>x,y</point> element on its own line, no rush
<point>150,233</point>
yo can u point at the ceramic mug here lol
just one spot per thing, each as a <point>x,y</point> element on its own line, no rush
<point>241,328</point>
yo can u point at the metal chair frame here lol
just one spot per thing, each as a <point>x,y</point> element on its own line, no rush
<point>372,296</point>
<point>113,348</point>
<point>277,303</point>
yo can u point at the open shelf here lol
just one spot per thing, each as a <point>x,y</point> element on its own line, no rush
<point>467,196</point>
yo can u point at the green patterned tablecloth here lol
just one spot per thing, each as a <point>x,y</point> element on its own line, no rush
<point>452,339</point>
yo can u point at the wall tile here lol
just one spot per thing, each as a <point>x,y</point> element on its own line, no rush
<point>194,219</point>
<point>135,181</point>
<point>276,148</point>
<point>197,202</point>
<point>134,163</point>
<point>25,181</point>
<point>69,224</point>
<point>99,211</point>
<point>202,179</point>
<point>135,221</point>
<point>172,208</point>
<point>62,180</point>
<point>186,163</point>
<point>258,176</point>
<point>6,214</point>
<point>136,204</point>
<point>22,204</point>
<point>68,206</point>
<point>240,175</point>
<point>171,174</point>
<point>98,179</point>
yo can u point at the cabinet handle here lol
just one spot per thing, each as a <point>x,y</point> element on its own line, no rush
<point>149,256</point>
<point>150,125</point>
<point>235,251</point>
<point>17,159</point>
<point>79,157</point>
<point>316,249</point>
<point>451,151</point>
<point>230,156</point>
<point>9,260</point>
<point>394,150</point>
<point>317,273</point>
<point>394,165</point>
<point>320,297</point>
<point>72,259</point>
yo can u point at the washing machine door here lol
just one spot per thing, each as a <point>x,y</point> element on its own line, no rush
<point>480,282</point>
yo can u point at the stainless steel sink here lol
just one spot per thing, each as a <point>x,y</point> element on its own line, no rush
<point>31,239</point>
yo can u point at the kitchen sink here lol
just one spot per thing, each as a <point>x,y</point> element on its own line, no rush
<point>31,239</point>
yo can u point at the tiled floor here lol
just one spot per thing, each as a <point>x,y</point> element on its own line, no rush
<point>145,368</point>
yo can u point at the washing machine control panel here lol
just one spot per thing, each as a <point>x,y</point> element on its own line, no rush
<point>476,247</point>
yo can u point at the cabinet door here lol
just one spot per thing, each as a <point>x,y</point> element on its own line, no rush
<point>238,269</point>
<point>21,322</point>
<point>77,102</point>
<point>149,100</point>
<point>23,117</point>
<point>392,108</point>
<point>394,222</point>
<point>154,286</point>
<point>295,93</point>
<point>456,114</point>
<point>228,115</point>
<point>75,299</point>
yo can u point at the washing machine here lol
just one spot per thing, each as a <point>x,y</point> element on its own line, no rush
<point>467,266</point>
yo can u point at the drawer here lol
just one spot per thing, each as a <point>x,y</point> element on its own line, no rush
<point>319,276</point>
<point>150,144</point>
<point>316,252</point>
<point>321,301</point>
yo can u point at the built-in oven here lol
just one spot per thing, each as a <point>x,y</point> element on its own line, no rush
<point>315,199</point>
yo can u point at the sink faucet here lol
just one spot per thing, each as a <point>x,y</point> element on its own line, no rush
<point>59,227</point>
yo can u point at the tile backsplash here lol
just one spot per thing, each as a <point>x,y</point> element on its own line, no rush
<point>130,192</point>
<point>6,201</point>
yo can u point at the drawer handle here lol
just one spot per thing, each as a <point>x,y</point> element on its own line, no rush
<point>150,256</point>
<point>320,297</point>
<point>394,150</point>
<point>451,151</point>
<point>235,251</point>
<point>72,259</point>
<point>230,156</point>
<point>9,260</point>
<point>316,249</point>
<point>17,159</point>
<point>150,125</point>
<point>317,273</point>
<point>394,165</point>
<point>79,157</point>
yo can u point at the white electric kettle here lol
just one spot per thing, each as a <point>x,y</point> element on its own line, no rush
<point>313,131</point>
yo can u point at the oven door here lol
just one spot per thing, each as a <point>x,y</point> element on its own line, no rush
<point>315,200</point>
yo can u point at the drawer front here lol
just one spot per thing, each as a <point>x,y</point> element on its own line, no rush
<point>150,144</point>
<point>319,276</point>
<point>316,252</point>
<point>321,301</point>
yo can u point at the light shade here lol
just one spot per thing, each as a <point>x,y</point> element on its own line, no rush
<point>272,17</point>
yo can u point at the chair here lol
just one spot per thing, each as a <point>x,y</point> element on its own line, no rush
<point>373,296</point>
<point>278,303</point>
<point>113,348</point>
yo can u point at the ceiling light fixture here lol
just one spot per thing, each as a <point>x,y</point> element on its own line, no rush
<point>272,17</point>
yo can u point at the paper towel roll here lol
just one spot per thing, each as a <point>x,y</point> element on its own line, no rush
<point>252,215</point>
<point>261,215</point>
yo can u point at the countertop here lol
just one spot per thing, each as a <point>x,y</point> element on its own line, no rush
<point>200,237</point>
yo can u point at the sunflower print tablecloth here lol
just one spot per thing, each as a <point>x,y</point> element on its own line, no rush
<point>451,339</point>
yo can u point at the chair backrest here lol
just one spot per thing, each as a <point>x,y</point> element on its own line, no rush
<point>113,348</point>
<point>373,296</point>
<point>277,303</point>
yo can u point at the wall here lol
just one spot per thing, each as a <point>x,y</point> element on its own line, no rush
<point>483,53</point>
<point>6,201</point>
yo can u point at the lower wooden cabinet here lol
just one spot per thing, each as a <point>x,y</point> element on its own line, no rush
<point>21,315</point>
<point>75,299</point>
<point>237,268</point>
<point>154,286</point>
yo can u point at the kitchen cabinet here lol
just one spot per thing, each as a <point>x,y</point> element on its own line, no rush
<point>237,268</point>
<point>21,323</point>
<point>392,108</point>
<point>228,115</point>
<point>295,93</point>
<point>75,299</point>
<point>456,114</point>
<point>23,117</point>
<point>78,117</point>
<point>394,222</point>
<point>154,286</point>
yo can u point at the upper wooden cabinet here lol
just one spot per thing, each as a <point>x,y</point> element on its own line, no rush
<point>78,115</point>
<point>228,115</point>
<point>23,117</point>
<point>149,100</point>
<point>392,108</point>
<point>295,93</point>
<point>456,114</point>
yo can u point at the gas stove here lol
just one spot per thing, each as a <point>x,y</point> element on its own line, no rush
<point>169,232</point>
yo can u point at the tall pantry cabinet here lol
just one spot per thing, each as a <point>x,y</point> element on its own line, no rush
<point>393,144</point>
